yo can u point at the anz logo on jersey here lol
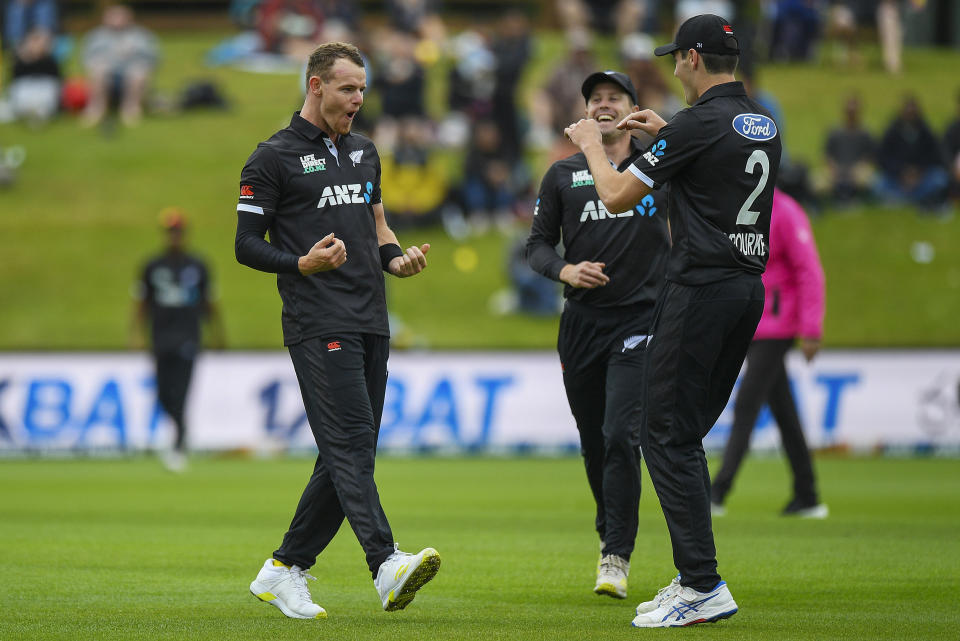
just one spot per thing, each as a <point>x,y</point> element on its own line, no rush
<point>656,153</point>
<point>345,195</point>
<point>596,210</point>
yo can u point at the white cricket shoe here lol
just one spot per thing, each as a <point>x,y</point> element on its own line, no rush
<point>286,589</point>
<point>174,460</point>
<point>402,574</point>
<point>665,593</point>
<point>612,576</point>
<point>688,607</point>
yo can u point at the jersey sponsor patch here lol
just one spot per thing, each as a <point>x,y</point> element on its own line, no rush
<point>333,346</point>
<point>246,191</point>
<point>596,210</point>
<point>656,153</point>
<point>311,164</point>
<point>344,195</point>
<point>755,126</point>
<point>581,178</point>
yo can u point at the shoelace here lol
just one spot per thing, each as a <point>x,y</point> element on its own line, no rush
<point>613,561</point>
<point>667,589</point>
<point>300,583</point>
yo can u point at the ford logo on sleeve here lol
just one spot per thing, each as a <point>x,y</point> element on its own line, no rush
<point>755,126</point>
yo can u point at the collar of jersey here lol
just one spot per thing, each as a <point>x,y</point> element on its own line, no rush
<point>725,89</point>
<point>309,130</point>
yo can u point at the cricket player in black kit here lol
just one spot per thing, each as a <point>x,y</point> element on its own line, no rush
<point>173,298</point>
<point>720,158</point>
<point>315,186</point>
<point>613,265</point>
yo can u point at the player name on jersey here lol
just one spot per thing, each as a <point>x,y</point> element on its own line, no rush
<point>749,244</point>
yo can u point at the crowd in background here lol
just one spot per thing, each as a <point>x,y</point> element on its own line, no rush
<point>465,162</point>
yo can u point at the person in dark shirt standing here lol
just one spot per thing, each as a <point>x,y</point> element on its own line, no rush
<point>315,186</point>
<point>720,157</point>
<point>613,265</point>
<point>173,298</point>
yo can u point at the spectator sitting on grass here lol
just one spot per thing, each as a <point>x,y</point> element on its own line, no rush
<point>911,163</point>
<point>35,82</point>
<point>850,157</point>
<point>119,57</point>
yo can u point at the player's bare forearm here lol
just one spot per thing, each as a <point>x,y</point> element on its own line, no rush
<point>619,190</point>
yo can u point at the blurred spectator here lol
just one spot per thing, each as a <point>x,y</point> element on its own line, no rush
<point>796,27</point>
<point>529,292</point>
<point>842,33</point>
<point>912,168</point>
<point>511,48</point>
<point>688,8</point>
<point>559,102</point>
<point>619,17</point>
<point>472,81</point>
<point>890,33</point>
<point>35,82</point>
<point>417,17</point>
<point>413,176</point>
<point>119,57</point>
<point>20,17</point>
<point>850,154</point>
<point>400,82</point>
<point>400,78</point>
<point>636,54</point>
<point>793,309</point>
<point>172,298</point>
<point>284,24</point>
<point>243,13</point>
<point>951,143</point>
<point>488,189</point>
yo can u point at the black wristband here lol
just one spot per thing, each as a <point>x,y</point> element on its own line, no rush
<point>387,253</point>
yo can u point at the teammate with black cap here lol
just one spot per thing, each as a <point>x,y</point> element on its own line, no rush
<point>315,186</point>
<point>613,263</point>
<point>720,158</point>
<point>173,297</point>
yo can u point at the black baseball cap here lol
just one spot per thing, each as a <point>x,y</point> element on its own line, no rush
<point>706,33</point>
<point>609,75</point>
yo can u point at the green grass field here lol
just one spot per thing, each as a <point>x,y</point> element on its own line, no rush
<point>120,549</point>
<point>83,216</point>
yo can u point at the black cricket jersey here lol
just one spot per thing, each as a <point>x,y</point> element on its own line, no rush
<point>634,244</point>
<point>301,186</point>
<point>720,158</point>
<point>175,288</point>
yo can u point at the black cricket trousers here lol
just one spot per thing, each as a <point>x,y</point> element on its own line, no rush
<point>765,381</point>
<point>173,372</point>
<point>343,380</point>
<point>699,340</point>
<point>602,354</point>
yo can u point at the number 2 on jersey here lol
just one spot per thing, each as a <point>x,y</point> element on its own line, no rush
<point>747,217</point>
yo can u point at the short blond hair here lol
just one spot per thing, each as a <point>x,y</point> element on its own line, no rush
<point>323,57</point>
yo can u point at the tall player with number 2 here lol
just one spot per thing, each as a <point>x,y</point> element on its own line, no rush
<point>720,157</point>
